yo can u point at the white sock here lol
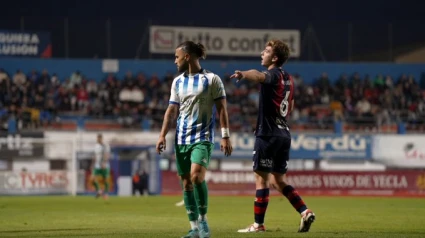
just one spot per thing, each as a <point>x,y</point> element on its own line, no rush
<point>256,225</point>
<point>202,217</point>
<point>193,225</point>
<point>304,212</point>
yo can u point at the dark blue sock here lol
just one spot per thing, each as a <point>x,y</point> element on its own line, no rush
<point>294,198</point>
<point>260,205</point>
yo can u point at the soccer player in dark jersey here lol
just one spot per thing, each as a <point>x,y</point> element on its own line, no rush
<point>273,140</point>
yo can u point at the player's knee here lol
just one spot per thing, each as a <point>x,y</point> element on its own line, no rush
<point>261,179</point>
<point>196,177</point>
<point>278,181</point>
<point>187,185</point>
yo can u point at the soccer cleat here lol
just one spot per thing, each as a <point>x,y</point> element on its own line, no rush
<point>307,218</point>
<point>180,204</point>
<point>192,234</point>
<point>98,194</point>
<point>204,230</point>
<point>252,228</point>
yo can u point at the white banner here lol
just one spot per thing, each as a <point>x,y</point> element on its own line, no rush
<point>87,139</point>
<point>400,150</point>
<point>221,41</point>
<point>38,182</point>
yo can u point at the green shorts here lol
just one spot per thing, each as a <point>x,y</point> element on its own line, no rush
<point>102,172</point>
<point>198,153</point>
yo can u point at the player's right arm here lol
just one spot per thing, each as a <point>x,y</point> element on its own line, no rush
<point>93,163</point>
<point>253,75</point>
<point>169,117</point>
<point>250,75</point>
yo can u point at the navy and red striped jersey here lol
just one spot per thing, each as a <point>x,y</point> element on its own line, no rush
<point>276,95</point>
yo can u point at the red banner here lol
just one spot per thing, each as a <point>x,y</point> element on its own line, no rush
<point>382,183</point>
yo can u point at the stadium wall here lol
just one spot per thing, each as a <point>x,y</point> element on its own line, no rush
<point>401,159</point>
<point>97,68</point>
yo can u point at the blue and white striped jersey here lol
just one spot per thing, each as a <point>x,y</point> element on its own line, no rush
<point>196,95</point>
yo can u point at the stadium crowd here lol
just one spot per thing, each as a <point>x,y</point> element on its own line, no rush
<point>39,99</point>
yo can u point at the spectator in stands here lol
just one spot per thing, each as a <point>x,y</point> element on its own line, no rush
<point>82,97</point>
<point>96,107</point>
<point>15,95</point>
<point>141,81</point>
<point>136,96</point>
<point>3,76</point>
<point>379,82</point>
<point>337,110</point>
<point>153,87</point>
<point>363,108</point>
<point>298,80</point>
<point>49,113</point>
<point>92,89</point>
<point>128,80</point>
<point>389,82</point>
<point>19,79</point>
<point>33,77</point>
<point>324,84</point>
<point>26,120</point>
<point>75,79</point>
<point>324,102</point>
<point>110,79</point>
<point>125,115</point>
<point>125,94</point>
<point>4,86</point>
<point>342,83</point>
<point>44,79</point>
<point>54,81</point>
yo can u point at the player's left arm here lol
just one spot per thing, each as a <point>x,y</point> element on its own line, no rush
<point>225,145</point>
<point>219,96</point>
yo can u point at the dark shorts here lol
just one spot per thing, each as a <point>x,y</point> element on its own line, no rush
<point>271,154</point>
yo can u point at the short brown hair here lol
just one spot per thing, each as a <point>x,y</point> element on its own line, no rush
<point>280,50</point>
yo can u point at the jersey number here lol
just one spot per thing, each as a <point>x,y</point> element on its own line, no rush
<point>284,105</point>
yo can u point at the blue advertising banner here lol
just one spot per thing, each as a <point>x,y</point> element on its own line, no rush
<point>307,146</point>
<point>25,44</point>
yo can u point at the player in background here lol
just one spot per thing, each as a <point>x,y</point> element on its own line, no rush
<point>196,94</point>
<point>101,166</point>
<point>273,140</point>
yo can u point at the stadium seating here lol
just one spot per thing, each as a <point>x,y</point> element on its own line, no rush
<point>370,103</point>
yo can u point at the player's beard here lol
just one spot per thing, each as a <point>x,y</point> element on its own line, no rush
<point>184,67</point>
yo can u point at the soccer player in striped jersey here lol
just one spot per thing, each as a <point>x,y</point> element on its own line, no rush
<point>273,140</point>
<point>101,166</point>
<point>196,96</point>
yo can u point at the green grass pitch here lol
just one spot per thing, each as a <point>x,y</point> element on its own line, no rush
<point>157,216</point>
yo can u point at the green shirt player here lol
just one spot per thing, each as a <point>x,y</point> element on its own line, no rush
<point>100,166</point>
<point>196,96</point>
